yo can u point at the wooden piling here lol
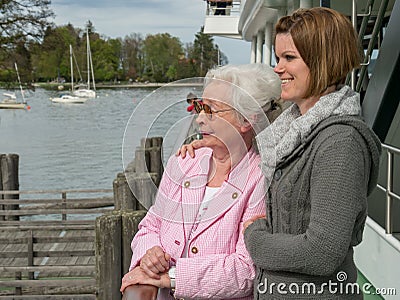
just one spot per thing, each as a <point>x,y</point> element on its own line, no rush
<point>114,233</point>
<point>9,178</point>
<point>142,160</point>
<point>123,196</point>
<point>156,164</point>
<point>130,222</point>
<point>108,256</point>
<point>2,218</point>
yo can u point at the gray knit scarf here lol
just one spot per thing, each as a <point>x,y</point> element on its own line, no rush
<point>290,129</point>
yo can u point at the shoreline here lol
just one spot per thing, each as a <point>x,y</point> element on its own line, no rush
<point>67,86</point>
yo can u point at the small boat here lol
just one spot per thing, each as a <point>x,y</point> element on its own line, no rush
<point>10,102</point>
<point>68,99</point>
<point>86,91</point>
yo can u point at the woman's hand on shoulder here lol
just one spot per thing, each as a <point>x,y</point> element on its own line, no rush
<point>190,148</point>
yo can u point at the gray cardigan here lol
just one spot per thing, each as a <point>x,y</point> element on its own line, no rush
<point>316,211</point>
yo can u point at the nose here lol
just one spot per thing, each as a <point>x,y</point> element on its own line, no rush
<point>279,68</point>
<point>201,117</point>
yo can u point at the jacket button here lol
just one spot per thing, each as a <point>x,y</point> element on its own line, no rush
<point>194,250</point>
<point>278,174</point>
<point>186,184</point>
<point>234,195</point>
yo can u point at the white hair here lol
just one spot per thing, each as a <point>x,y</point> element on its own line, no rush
<point>255,91</point>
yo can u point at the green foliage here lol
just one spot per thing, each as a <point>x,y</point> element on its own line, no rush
<point>156,58</point>
<point>21,21</point>
<point>161,52</point>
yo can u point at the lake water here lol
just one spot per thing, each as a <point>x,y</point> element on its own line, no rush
<point>82,146</point>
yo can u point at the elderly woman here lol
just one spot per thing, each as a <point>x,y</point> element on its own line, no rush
<point>190,244</point>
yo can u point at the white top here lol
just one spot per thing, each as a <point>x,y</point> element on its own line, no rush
<point>208,196</point>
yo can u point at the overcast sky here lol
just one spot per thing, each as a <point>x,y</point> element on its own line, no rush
<point>118,18</point>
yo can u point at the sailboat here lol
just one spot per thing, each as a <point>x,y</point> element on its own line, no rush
<point>10,101</point>
<point>69,98</point>
<point>87,92</point>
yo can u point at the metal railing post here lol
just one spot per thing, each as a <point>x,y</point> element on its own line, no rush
<point>354,22</point>
<point>389,203</point>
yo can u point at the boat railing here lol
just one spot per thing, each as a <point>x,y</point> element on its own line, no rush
<point>390,194</point>
<point>232,8</point>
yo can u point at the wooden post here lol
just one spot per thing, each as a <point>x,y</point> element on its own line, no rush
<point>142,160</point>
<point>156,141</point>
<point>123,197</point>
<point>108,257</point>
<point>156,165</point>
<point>2,218</point>
<point>145,142</point>
<point>130,222</point>
<point>30,253</point>
<point>64,204</point>
<point>9,178</point>
<point>144,189</point>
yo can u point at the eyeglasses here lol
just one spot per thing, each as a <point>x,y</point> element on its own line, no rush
<point>199,106</point>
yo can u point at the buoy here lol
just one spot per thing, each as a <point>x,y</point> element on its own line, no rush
<point>28,107</point>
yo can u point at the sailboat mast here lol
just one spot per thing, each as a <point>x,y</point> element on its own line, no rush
<point>19,81</point>
<point>91,66</point>
<point>88,57</point>
<point>72,67</point>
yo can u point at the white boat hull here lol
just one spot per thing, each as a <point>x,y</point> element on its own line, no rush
<point>85,93</point>
<point>10,102</point>
<point>12,105</point>
<point>69,99</point>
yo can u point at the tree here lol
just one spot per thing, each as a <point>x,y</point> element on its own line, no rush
<point>22,20</point>
<point>132,56</point>
<point>50,59</point>
<point>161,52</point>
<point>205,53</point>
<point>106,58</point>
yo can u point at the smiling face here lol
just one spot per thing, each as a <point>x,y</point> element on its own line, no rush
<point>292,69</point>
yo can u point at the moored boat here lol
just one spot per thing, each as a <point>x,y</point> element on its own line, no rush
<point>68,99</point>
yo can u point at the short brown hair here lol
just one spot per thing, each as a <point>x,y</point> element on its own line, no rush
<point>327,42</point>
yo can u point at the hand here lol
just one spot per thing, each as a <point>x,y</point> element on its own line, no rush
<point>138,276</point>
<point>155,261</point>
<point>251,221</point>
<point>190,148</point>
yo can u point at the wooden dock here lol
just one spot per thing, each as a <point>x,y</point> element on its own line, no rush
<point>73,244</point>
<point>45,248</point>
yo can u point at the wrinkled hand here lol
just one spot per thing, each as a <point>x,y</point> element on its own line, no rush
<point>138,276</point>
<point>189,149</point>
<point>155,261</point>
<point>251,221</point>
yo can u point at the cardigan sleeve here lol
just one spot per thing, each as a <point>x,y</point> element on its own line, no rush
<point>338,187</point>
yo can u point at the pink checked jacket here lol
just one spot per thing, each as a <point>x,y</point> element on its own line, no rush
<point>218,265</point>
